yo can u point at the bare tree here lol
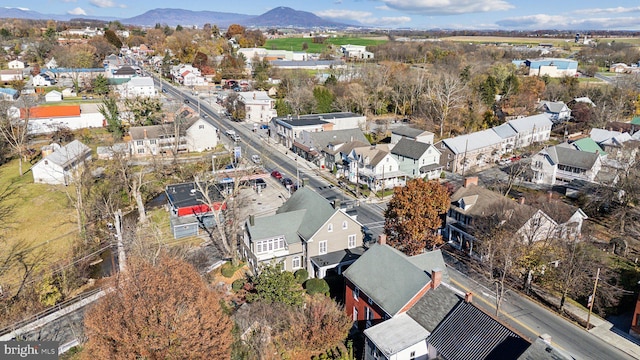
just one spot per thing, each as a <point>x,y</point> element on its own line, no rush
<point>14,126</point>
<point>445,95</point>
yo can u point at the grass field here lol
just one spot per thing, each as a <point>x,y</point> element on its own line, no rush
<point>295,44</point>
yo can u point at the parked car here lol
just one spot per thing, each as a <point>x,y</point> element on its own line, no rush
<point>186,101</point>
<point>264,126</point>
<point>287,182</point>
<point>260,183</point>
<point>256,159</point>
<point>164,90</point>
<point>276,174</point>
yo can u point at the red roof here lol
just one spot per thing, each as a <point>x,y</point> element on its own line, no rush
<point>51,111</point>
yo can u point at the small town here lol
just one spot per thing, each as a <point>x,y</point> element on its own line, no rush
<point>318,184</point>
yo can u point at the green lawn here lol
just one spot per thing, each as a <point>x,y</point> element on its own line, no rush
<point>295,44</point>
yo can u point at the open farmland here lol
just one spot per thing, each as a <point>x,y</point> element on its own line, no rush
<point>295,43</point>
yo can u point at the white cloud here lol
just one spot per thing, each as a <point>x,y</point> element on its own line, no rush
<point>362,17</point>
<point>104,3</point>
<point>383,8</point>
<point>544,21</point>
<point>614,10</point>
<point>447,7</point>
<point>77,11</point>
<point>70,1</point>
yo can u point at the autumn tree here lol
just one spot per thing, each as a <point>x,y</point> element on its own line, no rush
<point>272,285</point>
<point>158,311</point>
<point>413,215</point>
<point>234,30</point>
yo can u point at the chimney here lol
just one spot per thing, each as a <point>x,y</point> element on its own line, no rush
<point>254,95</point>
<point>521,201</point>
<point>336,204</point>
<point>144,131</point>
<point>252,220</point>
<point>549,195</point>
<point>436,277</point>
<point>472,180</point>
<point>468,297</point>
<point>382,239</point>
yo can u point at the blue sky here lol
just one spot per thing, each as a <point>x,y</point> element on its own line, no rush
<point>423,14</point>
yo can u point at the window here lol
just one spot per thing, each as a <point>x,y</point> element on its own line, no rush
<point>355,313</point>
<point>322,247</point>
<point>330,228</point>
<point>201,127</point>
<point>152,141</point>
<point>356,293</point>
<point>270,245</point>
<point>352,241</point>
<point>139,142</point>
<point>412,355</point>
<point>141,151</point>
<point>390,167</point>
<point>345,225</point>
<point>295,263</point>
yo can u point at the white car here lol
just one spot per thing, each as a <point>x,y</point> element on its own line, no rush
<point>256,159</point>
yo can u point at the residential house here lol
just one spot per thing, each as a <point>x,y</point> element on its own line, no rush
<point>321,147</point>
<point>9,94</point>
<point>195,134</point>
<point>124,72</point>
<point>42,80</point>
<point>411,133</point>
<point>189,78</point>
<point>288,131</point>
<point>553,67</point>
<point>142,86</point>
<point>384,283</point>
<point>59,167</point>
<point>619,68</point>
<point>113,151</point>
<point>531,129</point>
<point>258,106</point>
<point>48,119</point>
<point>51,64</point>
<point>337,155</point>
<point>582,99</point>
<point>508,135</point>
<point>471,151</point>
<point>53,96</point>
<point>374,166</point>
<point>358,52</point>
<point>475,210</point>
<point>558,111</point>
<point>306,232</point>
<point>417,159</point>
<point>15,64</point>
<point>7,76</point>
<point>191,212</point>
<point>69,92</point>
<point>563,164</point>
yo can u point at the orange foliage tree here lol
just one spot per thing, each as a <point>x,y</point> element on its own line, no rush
<point>413,215</point>
<point>164,311</point>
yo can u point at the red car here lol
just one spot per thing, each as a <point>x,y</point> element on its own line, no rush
<point>276,174</point>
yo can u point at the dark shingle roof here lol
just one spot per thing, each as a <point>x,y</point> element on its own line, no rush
<point>468,333</point>
<point>407,131</point>
<point>572,157</point>
<point>410,148</point>
<point>434,306</point>
<point>321,139</point>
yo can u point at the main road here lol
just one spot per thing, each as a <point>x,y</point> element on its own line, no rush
<point>529,318</point>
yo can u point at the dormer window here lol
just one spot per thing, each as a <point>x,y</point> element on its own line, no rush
<point>330,228</point>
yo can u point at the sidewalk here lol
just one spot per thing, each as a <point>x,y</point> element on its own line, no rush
<point>600,328</point>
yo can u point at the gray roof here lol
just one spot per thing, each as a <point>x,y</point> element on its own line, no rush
<point>388,277</point>
<point>408,131</point>
<point>317,210</point>
<point>572,157</point>
<point>505,131</point>
<point>69,153</point>
<point>321,139</point>
<point>300,122</point>
<point>473,141</point>
<point>429,261</point>
<point>285,224</point>
<point>396,334</point>
<point>528,123</point>
<point>553,106</point>
<point>410,148</point>
<point>434,306</point>
<point>540,350</point>
<point>468,333</point>
<point>163,130</point>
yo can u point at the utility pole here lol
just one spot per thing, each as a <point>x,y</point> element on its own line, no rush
<point>592,298</point>
<point>121,254</point>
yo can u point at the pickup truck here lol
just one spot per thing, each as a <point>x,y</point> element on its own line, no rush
<point>232,135</point>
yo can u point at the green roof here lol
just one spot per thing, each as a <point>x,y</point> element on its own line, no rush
<point>318,210</point>
<point>277,225</point>
<point>388,277</point>
<point>635,120</point>
<point>588,145</point>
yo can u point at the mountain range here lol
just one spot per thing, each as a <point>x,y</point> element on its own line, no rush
<point>277,17</point>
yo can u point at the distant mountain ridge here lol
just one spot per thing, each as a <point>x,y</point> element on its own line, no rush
<point>277,17</point>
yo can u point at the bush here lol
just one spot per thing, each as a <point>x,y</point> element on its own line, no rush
<point>316,286</point>
<point>227,269</point>
<point>443,175</point>
<point>301,275</point>
<point>238,284</point>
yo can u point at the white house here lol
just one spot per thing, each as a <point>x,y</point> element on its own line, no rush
<point>557,110</point>
<point>563,164</point>
<point>532,129</point>
<point>195,134</point>
<point>375,167</point>
<point>16,64</point>
<point>41,80</point>
<point>138,87</point>
<point>258,106</point>
<point>48,119</point>
<point>355,52</point>
<point>11,75</point>
<point>59,167</point>
<point>53,96</point>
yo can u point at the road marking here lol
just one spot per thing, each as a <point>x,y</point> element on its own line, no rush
<point>492,305</point>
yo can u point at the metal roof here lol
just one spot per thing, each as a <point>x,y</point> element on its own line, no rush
<point>473,141</point>
<point>530,123</point>
<point>69,153</point>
